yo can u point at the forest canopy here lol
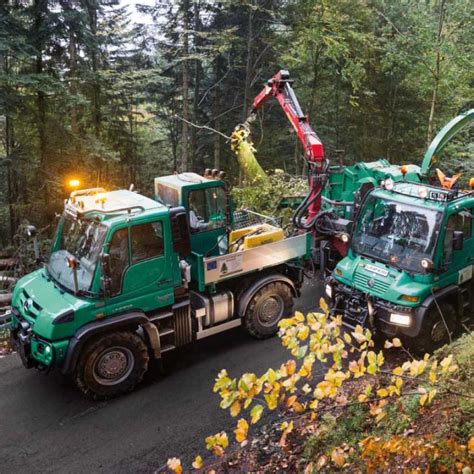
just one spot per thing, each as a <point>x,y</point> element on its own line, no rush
<point>88,93</point>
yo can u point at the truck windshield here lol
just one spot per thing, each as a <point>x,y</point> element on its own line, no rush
<point>396,233</point>
<point>81,239</point>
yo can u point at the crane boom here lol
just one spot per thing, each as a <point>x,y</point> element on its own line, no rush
<point>279,87</point>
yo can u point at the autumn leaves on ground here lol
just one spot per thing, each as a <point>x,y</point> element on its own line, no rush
<point>343,405</point>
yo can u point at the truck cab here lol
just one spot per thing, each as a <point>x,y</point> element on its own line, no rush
<point>207,204</point>
<point>409,269</point>
<point>131,278</point>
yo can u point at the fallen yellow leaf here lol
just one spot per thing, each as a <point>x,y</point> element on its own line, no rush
<point>174,464</point>
<point>197,464</point>
<point>241,430</point>
<point>338,457</point>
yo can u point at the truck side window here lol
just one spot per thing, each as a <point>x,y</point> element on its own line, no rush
<point>207,208</point>
<point>167,195</point>
<point>147,241</point>
<point>462,221</point>
<point>119,259</point>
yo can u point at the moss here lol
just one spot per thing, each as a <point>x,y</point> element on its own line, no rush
<point>396,421</point>
<point>348,428</point>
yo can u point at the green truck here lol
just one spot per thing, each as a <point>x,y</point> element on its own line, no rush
<point>131,278</point>
<point>409,268</point>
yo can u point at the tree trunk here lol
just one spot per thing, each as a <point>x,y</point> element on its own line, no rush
<point>193,161</point>
<point>92,8</point>
<point>185,87</point>
<point>437,71</point>
<point>40,7</point>
<point>9,146</point>
<point>248,66</point>
<point>216,110</point>
<point>73,82</point>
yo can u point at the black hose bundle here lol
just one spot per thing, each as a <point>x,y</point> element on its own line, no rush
<point>302,209</point>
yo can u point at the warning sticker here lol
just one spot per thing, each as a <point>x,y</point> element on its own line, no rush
<point>231,264</point>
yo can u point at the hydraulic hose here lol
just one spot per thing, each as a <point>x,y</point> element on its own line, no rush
<point>302,210</point>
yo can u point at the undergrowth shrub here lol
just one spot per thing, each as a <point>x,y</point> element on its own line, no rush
<point>355,389</point>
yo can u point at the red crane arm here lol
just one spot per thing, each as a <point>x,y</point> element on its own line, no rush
<point>279,86</point>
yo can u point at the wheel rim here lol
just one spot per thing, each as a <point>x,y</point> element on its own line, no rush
<point>270,310</point>
<point>113,365</point>
<point>438,331</point>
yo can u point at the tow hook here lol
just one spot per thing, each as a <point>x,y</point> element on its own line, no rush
<point>370,311</point>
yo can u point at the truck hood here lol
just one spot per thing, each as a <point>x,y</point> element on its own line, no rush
<point>39,300</point>
<point>381,280</point>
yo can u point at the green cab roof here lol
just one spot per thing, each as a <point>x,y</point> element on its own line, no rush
<point>108,205</point>
<point>183,180</point>
<point>411,193</point>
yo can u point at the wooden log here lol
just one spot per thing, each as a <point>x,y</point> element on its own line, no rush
<point>5,299</point>
<point>6,263</point>
<point>7,280</point>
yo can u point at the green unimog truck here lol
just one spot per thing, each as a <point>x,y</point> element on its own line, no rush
<point>409,268</point>
<point>131,278</point>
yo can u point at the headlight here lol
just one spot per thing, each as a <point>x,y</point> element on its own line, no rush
<point>329,290</point>
<point>427,264</point>
<point>388,184</point>
<point>400,319</point>
<point>344,237</point>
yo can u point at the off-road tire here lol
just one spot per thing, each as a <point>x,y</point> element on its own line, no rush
<point>433,333</point>
<point>281,298</point>
<point>127,343</point>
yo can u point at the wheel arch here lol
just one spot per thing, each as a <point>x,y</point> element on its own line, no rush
<point>131,320</point>
<point>450,294</point>
<point>256,285</point>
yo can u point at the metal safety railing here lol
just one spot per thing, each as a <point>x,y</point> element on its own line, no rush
<point>246,218</point>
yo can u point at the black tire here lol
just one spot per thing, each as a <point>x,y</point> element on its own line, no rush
<point>111,365</point>
<point>266,308</point>
<point>433,333</point>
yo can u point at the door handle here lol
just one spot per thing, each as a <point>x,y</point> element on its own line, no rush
<point>164,282</point>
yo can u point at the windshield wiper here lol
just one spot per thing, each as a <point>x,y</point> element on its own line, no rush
<point>393,264</point>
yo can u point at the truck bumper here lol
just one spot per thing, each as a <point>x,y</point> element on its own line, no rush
<point>358,308</point>
<point>33,351</point>
<point>20,335</point>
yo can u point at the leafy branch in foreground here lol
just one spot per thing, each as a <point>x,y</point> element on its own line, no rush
<point>294,389</point>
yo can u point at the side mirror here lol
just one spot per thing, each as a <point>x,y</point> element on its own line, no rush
<point>458,239</point>
<point>105,280</point>
<point>105,261</point>
<point>180,231</point>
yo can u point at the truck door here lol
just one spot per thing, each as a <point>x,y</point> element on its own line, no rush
<point>141,269</point>
<point>207,220</point>
<point>458,246</point>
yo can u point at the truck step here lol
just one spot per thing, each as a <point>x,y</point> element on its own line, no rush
<point>161,316</point>
<point>166,332</point>
<point>167,347</point>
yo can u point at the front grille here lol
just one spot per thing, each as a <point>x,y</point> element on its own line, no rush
<point>362,282</point>
<point>28,305</point>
